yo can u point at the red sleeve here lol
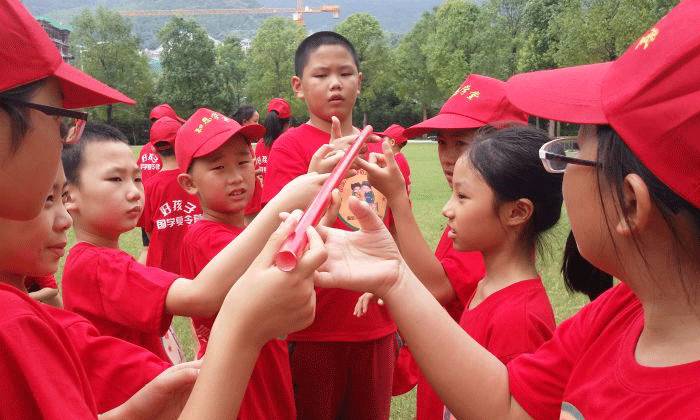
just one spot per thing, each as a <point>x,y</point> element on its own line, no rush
<point>283,165</point>
<point>41,376</point>
<point>538,380</point>
<point>116,369</point>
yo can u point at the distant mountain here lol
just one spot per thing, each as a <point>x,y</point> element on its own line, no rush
<point>395,16</point>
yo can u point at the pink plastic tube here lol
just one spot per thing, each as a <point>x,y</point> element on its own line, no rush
<point>287,257</point>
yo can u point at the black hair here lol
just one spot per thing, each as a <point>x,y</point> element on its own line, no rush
<point>617,161</point>
<point>164,149</point>
<point>17,113</point>
<point>73,154</point>
<point>507,158</point>
<point>274,126</point>
<point>580,275</point>
<point>243,113</point>
<point>316,40</point>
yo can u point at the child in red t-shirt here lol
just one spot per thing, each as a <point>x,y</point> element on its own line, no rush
<point>121,297</point>
<point>168,209</point>
<point>631,192</point>
<point>326,357</point>
<point>222,177</point>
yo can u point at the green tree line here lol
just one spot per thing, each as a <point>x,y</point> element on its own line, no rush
<point>407,77</point>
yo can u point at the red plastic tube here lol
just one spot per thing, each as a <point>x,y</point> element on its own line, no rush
<point>287,257</point>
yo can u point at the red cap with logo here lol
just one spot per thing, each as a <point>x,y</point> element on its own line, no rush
<point>394,132</point>
<point>27,55</point>
<point>281,106</point>
<point>650,96</point>
<point>479,101</point>
<point>206,131</point>
<point>164,130</point>
<point>164,110</point>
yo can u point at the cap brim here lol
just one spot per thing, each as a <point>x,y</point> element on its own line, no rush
<point>442,122</point>
<point>80,90</point>
<point>250,132</point>
<point>570,94</point>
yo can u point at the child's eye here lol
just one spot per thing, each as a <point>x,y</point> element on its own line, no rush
<point>244,162</point>
<point>64,197</point>
<point>218,167</point>
<point>49,198</point>
<point>114,179</point>
<point>138,179</point>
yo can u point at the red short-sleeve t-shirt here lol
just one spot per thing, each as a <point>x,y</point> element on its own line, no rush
<point>269,394</point>
<point>42,376</point>
<point>167,212</point>
<point>149,162</point>
<point>290,157</point>
<point>121,297</point>
<point>588,369</point>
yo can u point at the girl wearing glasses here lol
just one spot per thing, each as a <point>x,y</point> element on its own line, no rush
<point>633,198</point>
<point>55,365</point>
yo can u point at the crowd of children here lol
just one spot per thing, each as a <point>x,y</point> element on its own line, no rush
<point>470,322</point>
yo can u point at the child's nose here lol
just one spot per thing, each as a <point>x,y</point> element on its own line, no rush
<point>63,220</point>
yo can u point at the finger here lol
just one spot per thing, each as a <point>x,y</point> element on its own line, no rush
<point>388,154</point>
<point>380,302</point>
<point>365,305</point>
<point>368,219</point>
<point>314,256</point>
<point>284,215</point>
<point>368,166</point>
<point>336,133</point>
<point>333,209</point>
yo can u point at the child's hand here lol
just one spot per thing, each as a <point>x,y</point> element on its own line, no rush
<point>332,211</point>
<point>164,397</point>
<point>269,302</point>
<point>325,159</point>
<point>299,192</point>
<point>383,172</point>
<point>365,260</point>
<point>363,303</point>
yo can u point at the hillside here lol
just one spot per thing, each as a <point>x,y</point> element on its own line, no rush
<point>396,16</point>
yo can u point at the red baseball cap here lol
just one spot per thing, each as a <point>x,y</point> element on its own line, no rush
<point>479,101</point>
<point>164,130</point>
<point>205,131</point>
<point>281,106</point>
<point>164,110</point>
<point>27,55</point>
<point>650,96</point>
<point>394,132</point>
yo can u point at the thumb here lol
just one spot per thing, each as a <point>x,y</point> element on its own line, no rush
<point>388,154</point>
<point>368,219</point>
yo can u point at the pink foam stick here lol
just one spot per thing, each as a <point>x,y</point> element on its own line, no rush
<point>286,258</point>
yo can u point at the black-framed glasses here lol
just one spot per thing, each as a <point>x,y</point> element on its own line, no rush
<point>558,153</point>
<point>71,122</point>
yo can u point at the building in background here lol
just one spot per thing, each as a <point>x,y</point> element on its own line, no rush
<point>59,34</point>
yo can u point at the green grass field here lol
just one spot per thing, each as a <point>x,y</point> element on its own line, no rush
<point>429,192</point>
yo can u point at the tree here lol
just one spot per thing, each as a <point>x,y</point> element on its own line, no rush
<point>364,32</point>
<point>188,60</point>
<point>540,40</point>
<point>105,48</point>
<point>450,47</point>
<point>270,62</point>
<point>600,30</point>
<point>413,80</point>
<point>230,68</point>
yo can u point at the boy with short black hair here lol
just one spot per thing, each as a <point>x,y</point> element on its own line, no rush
<point>220,171</point>
<point>168,209</point>
<point>327,356</point>
<point>121,297</point>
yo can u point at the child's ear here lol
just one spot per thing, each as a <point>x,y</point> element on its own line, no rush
<point>71,204</point>
<point>360,78</point>
<point>636,205</point>
<point>518,212</point>
<point>187,183</point>
<point>296,87</point>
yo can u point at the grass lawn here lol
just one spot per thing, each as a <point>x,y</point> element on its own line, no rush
<point>429,192</point>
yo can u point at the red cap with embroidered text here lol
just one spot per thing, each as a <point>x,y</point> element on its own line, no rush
<point>164,110</point>
<point>394,132</point>
<point>206,131</point>
<point>479,101</point>
<point>281,106</point>
<point>650,96</point>
<point>164,131</point>
<point>27,55</point>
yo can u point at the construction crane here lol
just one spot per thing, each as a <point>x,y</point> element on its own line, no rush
<point>297,13</point>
